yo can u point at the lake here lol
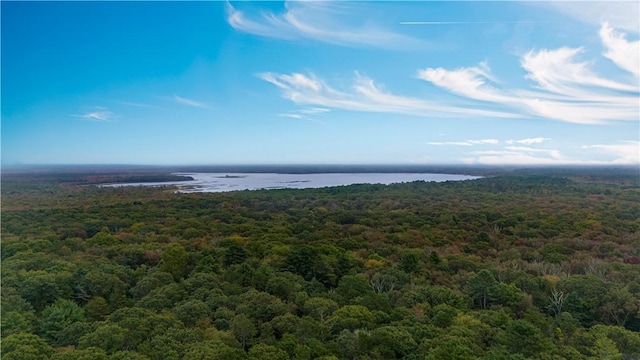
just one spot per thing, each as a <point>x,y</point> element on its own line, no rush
<point>224,182</point>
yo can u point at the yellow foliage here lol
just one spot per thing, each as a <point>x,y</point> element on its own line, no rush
<point>373,264</point>
<point>552,279</point>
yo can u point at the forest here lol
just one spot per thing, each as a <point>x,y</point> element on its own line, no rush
<point>521,264</point>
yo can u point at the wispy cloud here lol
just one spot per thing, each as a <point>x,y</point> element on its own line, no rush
<point>622,52</point>
<point>365,95</point>
<point>306,113</point>
<point>139,105</point>
<point>467,22</point>
<point>324,21</point>
<point>563,87</point>
<point>465,143</point>
<point>528,141</point>
<point>98,114</point>
<point>189,102</point>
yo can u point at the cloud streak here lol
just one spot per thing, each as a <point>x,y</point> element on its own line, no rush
<point>365,95</point>
<point>528,141</point>
<point>465,143</point>
<point>99,114</point>
<point>189,102</point>
<point>304,114</point>
<point>563,88</point>
<point>324,21</point>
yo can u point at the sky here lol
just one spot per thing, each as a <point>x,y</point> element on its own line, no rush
<point>332,82</point>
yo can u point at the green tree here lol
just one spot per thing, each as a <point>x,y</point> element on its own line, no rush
<point>108,337</point>
<point>626,341</point>
<point>619,306</point>
<point>84,354</point>
<point>450,348</point>
<point>243,329</point>
<point>320,308</point>
<point>213,350</point>
<point>522,337</point>
<point>41,288</point>
<point>127,355</point>
<point>97,308</point>
<point>389,342</point>
<point>174,261</point>
<point>71,334</point>
<point>235,254</point>
<point>25,346</point>
<point>351,317</point>
<point>483,288</point>
<point>103,238</point>
<point>14,322</point>
<point>191,311</point>
<point>353,286</point>
<point>260,306</point>
<point>56,317</point>
<point>161,347</point>
<point>605,349</point>
<point>267,352</point>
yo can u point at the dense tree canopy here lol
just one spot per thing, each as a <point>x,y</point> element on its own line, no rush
<point>522,265</point>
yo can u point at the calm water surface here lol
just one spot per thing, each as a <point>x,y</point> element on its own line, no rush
<point>223,182</point>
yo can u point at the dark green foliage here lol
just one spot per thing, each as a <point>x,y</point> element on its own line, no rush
<point>14,322</point>
<point>235,254</point>
<point>514,266</point>
<point>58,316</point>
<point>85,354</point>
<point>191,311</point>
<point>174,261</point>
<point>522,337</point>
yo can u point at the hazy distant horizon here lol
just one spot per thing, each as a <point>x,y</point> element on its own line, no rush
<point>473,169</point>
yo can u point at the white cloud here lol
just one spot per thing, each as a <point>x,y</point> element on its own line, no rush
<point>465,143</point>
<point>528,141</point>
<point>622,52</point>
<point>519,155</point>
<point>325,21</point>
<point>452,143</point>
<point>513,157</point>
<point>99,114</point>
<point>623,153</point>
<point>558,71</point>
<point>471,82</point>
<point>483,141</point>
<point>189,102</point>
<point>306,113</point>
<point>364,95</point>
<point>563,88</point>
<point>313,111</point>
<point>626,152</point>
<point>292,115</point>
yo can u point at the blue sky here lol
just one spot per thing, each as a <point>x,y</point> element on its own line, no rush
<point>420,82</point>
